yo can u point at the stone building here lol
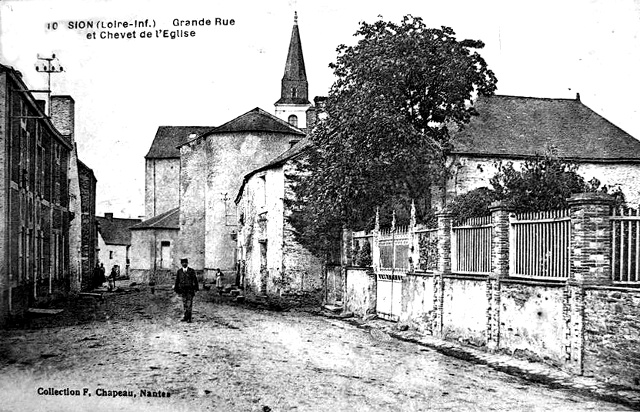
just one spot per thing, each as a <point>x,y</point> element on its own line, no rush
<point>199,169</point>
<point>162,167</point>
<point>89,252</point>
<point>212,167</point>
<point>152,248</point>
<point>114,242</point>
<point>273,262</point>
<point>514,128</point>
<point>39,254</point>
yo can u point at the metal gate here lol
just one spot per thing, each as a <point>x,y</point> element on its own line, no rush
<point>394,263</point>
<point>389,296</point>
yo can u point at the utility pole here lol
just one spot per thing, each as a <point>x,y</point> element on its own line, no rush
<point>48,65</point>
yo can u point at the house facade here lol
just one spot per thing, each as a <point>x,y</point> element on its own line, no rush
<point>272,262</point>
<point>35,221</point>
<point>114,243</point>
<point>153,243</point>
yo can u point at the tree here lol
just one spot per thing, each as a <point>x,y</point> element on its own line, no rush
<point>397,93</point>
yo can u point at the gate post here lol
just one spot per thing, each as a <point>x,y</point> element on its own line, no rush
<point>590,240</point>
<point>444,267</point>
<point>345,261</point>
<point>500,258</point>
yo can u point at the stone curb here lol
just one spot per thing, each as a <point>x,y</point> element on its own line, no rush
<point>530,371</point>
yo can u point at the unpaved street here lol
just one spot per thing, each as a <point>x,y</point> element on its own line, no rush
<point>238,358</point>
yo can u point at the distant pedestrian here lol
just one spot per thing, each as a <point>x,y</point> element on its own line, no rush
<point>187,286</point>
<point>219,281</point>
<point>112,278</point>
<point>97,276</point>
<point>103,271</point>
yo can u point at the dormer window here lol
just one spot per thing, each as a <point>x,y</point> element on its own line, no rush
<point>293,120</point>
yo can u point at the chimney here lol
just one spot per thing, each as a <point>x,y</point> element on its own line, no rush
<point>42,105</point>
<point>108,216</point>
<point>63,115</point>
<point>311,117</point>
<point>578,96</point>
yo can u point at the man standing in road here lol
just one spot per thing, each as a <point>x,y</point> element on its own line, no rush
<point>187,286</point>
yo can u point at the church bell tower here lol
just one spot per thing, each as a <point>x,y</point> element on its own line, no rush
<point>294,94</point>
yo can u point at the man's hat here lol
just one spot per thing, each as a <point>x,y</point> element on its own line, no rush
<point>184,260</point>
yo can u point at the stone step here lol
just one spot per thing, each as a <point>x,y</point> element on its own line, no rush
<point>333,308</point>
<point>39,311</point>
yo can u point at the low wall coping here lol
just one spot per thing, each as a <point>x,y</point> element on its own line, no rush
<point>466,276</point>
<point>359,268</point>
<point>559,283</point>
<point>422,273</point>
<point>613,288</point>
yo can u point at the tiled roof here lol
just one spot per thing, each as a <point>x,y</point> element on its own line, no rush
<point>256,120</point>
<point>167,220</point>
<point>511,126</point>
<point>115,231</point>
<point>168,138</point>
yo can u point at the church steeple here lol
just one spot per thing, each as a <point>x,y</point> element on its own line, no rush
<point>295,88</point>
<point>294,92</point>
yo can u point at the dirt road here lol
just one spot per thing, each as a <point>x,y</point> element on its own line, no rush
<point>238,358</point>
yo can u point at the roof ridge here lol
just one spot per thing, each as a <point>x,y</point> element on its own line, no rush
<point>533,97</point>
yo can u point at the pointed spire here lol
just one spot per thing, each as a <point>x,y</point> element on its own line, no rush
<point>295,88</point>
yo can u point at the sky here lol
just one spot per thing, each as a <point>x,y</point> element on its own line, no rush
<point>125,88</point>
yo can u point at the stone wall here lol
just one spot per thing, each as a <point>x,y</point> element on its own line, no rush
<point>470,173</point>
<point>612,334</point>
<point>360,293</point>
<point>464,309</point>
<point>418,302</point>
<point>531,318</point>
<point>304,268</point>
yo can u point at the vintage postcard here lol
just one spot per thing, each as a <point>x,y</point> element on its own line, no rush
<point>314,206</point>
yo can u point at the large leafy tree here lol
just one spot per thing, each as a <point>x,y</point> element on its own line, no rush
<point>397,93</point>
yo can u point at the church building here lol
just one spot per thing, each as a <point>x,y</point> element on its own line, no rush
<point>193,175</point>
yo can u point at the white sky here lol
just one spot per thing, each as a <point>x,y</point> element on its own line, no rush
<point>125,88</point>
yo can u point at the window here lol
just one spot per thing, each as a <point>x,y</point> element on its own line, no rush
<point>165,255</point>
<point>262,194</point>
<point>293,120</point>
<point>294,93</point>
<point>111,254</point>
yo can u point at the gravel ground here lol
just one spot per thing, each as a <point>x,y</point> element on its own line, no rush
<point>243,358</point>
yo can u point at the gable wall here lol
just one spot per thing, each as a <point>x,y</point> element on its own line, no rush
<point>209,170</point>
<point>470,173</point>
<point>162,186</point>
